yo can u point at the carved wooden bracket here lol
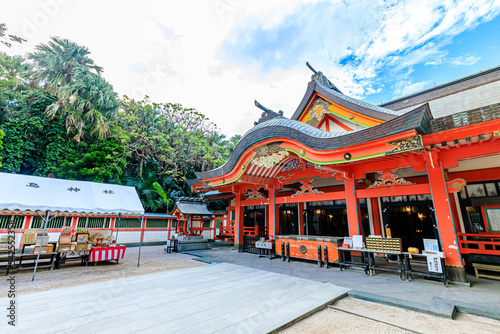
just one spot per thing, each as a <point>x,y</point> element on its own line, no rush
<point>255,194</point>
<point>307,189</point>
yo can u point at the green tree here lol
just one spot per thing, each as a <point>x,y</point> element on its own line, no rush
<point>2,134</point>
<point>14,83</point>
<point>86,101</point>
<point>6,39</point>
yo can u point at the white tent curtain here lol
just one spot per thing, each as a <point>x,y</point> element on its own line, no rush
<point>50,197</point>
<point>32,193</point>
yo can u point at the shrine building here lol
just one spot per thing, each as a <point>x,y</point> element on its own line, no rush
<point>424,166</point>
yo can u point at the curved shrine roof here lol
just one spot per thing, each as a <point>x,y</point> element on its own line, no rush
<point>314,138</point>
<point>346,101</point>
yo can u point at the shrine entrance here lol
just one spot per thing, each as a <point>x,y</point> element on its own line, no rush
<point>255,215</point>
<point>288,219</point>
<point>412,221</point>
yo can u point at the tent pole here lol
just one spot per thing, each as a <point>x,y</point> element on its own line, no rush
<point>118,227</point>
<point>41,242</point>
<point>140,242</point>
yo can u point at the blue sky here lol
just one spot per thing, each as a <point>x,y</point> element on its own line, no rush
<point>218,56</point>
<point>376,51</point>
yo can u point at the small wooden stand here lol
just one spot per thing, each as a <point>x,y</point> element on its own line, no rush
<point>487,267</point>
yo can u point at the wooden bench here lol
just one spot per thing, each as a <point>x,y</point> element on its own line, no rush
<point>487,267</point>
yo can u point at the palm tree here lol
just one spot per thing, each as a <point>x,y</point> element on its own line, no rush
<point>57,60</point>
<point>86,100</point>
<point>89,101</point>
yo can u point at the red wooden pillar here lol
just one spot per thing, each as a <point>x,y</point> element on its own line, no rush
<point>454,210</point>
<point>377,227</point>
<point>352,206</point>
<point>268,233</point>
<point>74,223</point>
<point>444,217</point>
<point>238,222</point>
<point>301,219</point>
<point>273,223</point>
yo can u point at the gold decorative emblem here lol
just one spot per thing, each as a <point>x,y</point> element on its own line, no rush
<point>405,145</point>
<point>389,179</point>
<point>270,161</point>
<point>318,109</point>
<point>302,152</point>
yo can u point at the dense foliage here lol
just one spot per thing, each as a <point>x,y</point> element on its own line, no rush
<point>59,117</point>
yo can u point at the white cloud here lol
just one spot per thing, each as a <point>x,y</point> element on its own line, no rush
<point>463,60</point>
<point>175,51</point>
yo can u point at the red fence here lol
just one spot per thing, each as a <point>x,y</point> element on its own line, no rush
<point>251,231</point>
<point>227,231</point>
<point>484,244</point>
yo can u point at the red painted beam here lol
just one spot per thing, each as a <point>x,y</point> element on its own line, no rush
<point>416,189</point>
<point>450,158</point>
<point>311,198</point>
<point>475,175</point>
<point>260,201</point>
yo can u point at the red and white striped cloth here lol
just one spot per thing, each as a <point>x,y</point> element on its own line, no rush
<point>107,253</point>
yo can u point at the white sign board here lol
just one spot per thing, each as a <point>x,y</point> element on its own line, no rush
<point>431,245</point>
<point>434,263</point>
<point>357,241</point>
<point>348,241</point>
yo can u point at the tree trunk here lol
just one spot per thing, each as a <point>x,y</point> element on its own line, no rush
<point>140,167</point>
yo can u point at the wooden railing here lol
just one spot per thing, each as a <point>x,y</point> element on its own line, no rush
<point>229,231</point>
<point>192,231</point>
<point>226,231</point>
<point>484,243</point>
<point>251,231</point>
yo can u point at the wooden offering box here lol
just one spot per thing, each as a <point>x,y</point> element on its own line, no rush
<point>29,237</point>
<point>45,249</point>
<point>306,246</point>
<point>384,244</point>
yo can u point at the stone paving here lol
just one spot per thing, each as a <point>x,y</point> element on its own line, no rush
<point>219,298</point>
<point>483,293</point>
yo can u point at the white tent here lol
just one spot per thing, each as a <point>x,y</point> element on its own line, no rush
<point>31,193</point>
<point>46,196</point>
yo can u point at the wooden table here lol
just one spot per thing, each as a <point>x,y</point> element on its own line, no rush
<point>409,271</point>
<point>265,248</point>
<point>368,264</point>
<point>16,261</point>
<point>63,257</point>
<point>372,266</point>
<point>344,263</point>
<point>43,256</point>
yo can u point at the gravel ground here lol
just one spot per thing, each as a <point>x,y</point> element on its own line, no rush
<point>330,320</point>
<point>153,259</point>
